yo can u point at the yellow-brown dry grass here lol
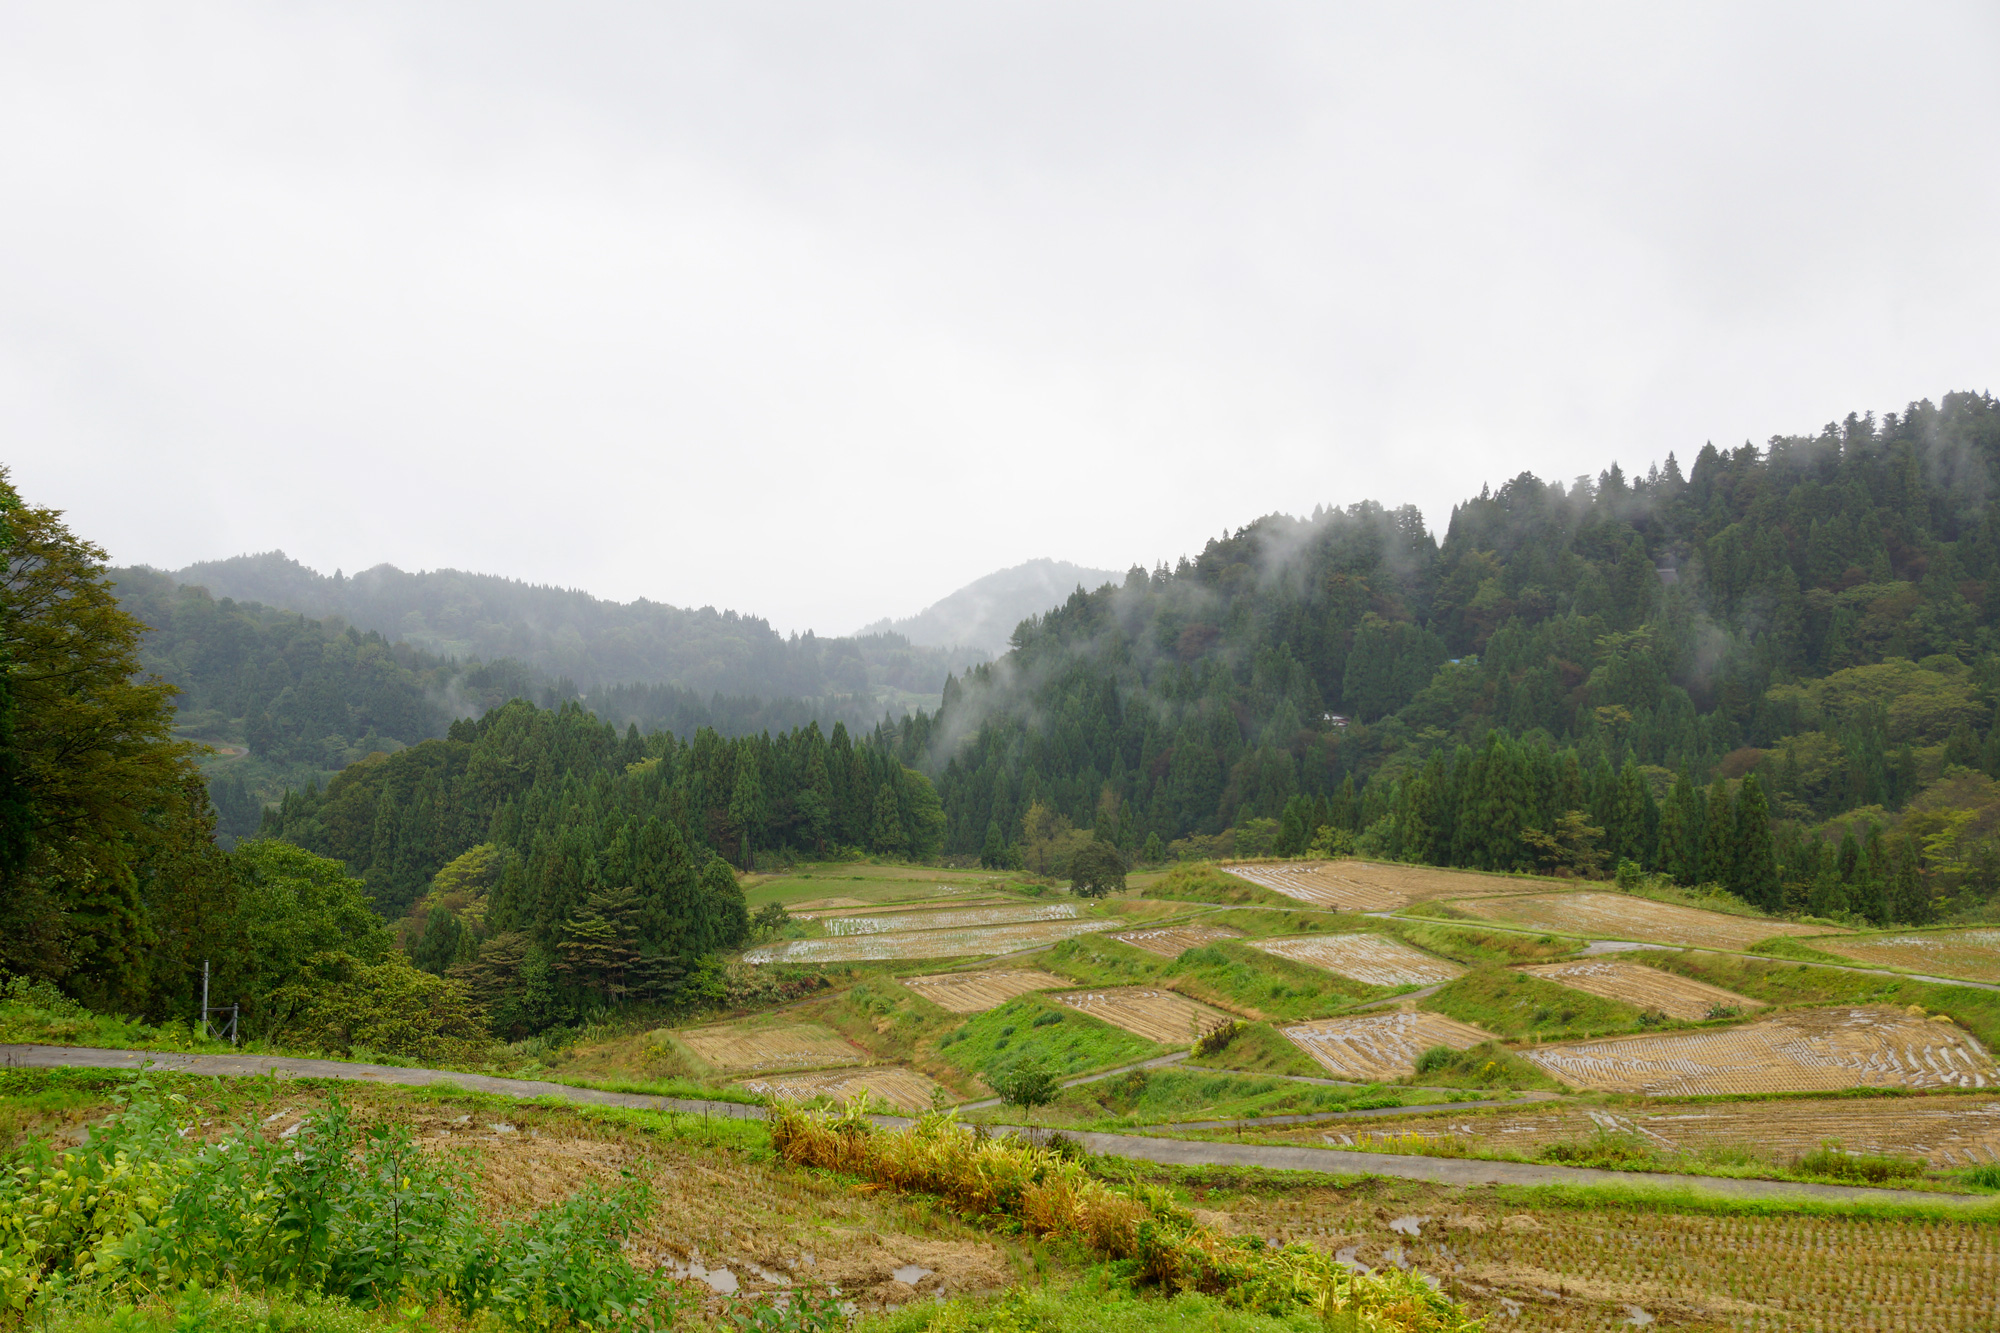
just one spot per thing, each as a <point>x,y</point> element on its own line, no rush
<point>1173,941</point>
<point>1370,886</point>
<point>904,1089</point>
<point>1621,916</point>
<point>1643,987</point>
<point>1814,1050</point>
<point>759,1046</point>
<point>976,992</point>
<point>1377,960</point>
<point>1370,1047</point>
<point>1163,1016</point>
<point>1973,955</point>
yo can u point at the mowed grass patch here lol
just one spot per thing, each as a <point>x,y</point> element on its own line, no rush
<point>1259,922</point>
<point>1175,1095</point>
<point>1073,1043</point>
<point>870,883</point>
<point>1785,983</point>
<point>1518,1007</point>
<point>1488,1065</point>
<point>1228,974</point>
<point>1259,1048</point>
<point>1472,946</point>
<point>1204,882</point>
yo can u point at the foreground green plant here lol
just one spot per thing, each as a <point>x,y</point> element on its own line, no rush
<point>1154,1242</point>
<point>337,1210</point>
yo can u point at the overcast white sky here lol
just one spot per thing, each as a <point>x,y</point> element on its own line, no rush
<point>820,311</point>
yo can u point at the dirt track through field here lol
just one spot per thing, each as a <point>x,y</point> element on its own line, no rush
<point>1173,941</point>
<point>1813,1050</point>
<point>1972,954</point>
<point>1173,1151</point>
<point>976,992</point>
<point>1375,959</point>
<point>1157,1015</point>
<point>1369,1048</point>
<point>1644,987</point>
<point>1621,916</point>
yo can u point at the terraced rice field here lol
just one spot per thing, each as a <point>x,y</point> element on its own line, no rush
<point>1367,886</point>
<point>853,907</point>
<point>825,905</point>
<point>1620,916</point>
<point>964,943</point>
<point>1643,987</point>
<point>976,992</point>
<point>958,917</point>
<point>1971,954</point>
<point>1157,1015</point>
<point>1815,1050</point>
<point>1950,1132</point>
<point>1371,1047</point>
<point>735,1046</point>
<point>1173,941</point>
<point>904,1089</point>
<point>1375,959</point>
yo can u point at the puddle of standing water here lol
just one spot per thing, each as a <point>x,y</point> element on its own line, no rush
<point>1639,1318</point>
<point>1409,1226</point>
<point>911,1274</point>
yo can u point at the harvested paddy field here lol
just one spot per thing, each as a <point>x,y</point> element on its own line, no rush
<point>1372,1047</point>
<point>1812,1050</point>
<point>961,943</point>
<point>1643,987</point>
<point>1158,1015</point>
<point>855,907</point>
<point>1949,1132</point>
<point>1971,954</point>
<point>750,1046</point>
<point>904,1089</point>
<point>976,992</point>
<point>1366,886</point>
<point>1375,959</point>
<point>1620,916</point>
<point>882,923</point>
<point>1173,941</point>
<point>1543,1264</point>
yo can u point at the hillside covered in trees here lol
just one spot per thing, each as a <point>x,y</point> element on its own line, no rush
<point>571,636</point>
<point>1632,669</point>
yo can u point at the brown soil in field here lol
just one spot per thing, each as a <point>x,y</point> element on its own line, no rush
<point>1369,886</point>
<point>1643,987</point>
<point>1372,1047</point>
<point>976,992</point>
<point>904,1089</point>
<point>1173,941</point>
<point>1971,954</point>
<point>1620,916</point>
<point>1157,1015</point>
<point>1544,1267</point>
<point>1375,959</point>
<point>960,943</point>
<point>746,1046</point>
<point>1813,1050</point>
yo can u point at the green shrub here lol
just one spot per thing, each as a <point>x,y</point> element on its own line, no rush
<point>1829,1159</point>
<point>1436,1058</point>
<point>339,1210</point>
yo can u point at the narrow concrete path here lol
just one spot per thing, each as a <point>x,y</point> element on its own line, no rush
<point>1180,1152</point>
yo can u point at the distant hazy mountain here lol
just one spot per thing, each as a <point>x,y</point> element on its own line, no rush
<point>569,635</point>
<point>983,613</point>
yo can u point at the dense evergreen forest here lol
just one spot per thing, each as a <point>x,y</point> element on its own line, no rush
<point>287,699</point>
<point>572,636</point>
<point>1806,630</point>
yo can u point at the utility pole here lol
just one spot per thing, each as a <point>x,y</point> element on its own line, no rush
<point>204,999</point>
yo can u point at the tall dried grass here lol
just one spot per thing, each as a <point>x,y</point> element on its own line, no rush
<point>1051,1194</point>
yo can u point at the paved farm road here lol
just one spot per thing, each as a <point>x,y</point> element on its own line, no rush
<point>1184,1152</point>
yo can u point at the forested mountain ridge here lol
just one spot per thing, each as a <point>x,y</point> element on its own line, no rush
<point>571,635</point>
<point>983,613</point>
<point>1820,613</point>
